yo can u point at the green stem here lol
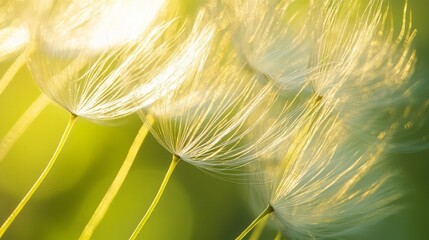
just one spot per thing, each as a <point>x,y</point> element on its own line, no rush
<point>35,109</point>
<point>278,236</point>
<point>42,176</point>
<point>256,234</point>
<point>14,68</point>
<point>267,211</point>
<point>22,124</point>
<point>155,201</point>
<point>117,182</point>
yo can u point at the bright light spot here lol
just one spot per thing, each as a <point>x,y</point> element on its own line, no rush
<point>100,25</point>
<point>13,39</point>
<point>124,22</point>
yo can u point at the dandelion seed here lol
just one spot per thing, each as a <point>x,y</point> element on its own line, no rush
<point>192,54</point>
<point>61,21</point>
<point>92,33</point>
<point>211,120</point>
<point>107,85</point>
<point>323,182</point>
<point>326,182</point>
<point>210,126</point>
<point>97,85</point>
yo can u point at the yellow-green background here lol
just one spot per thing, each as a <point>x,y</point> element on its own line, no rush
<point>194,206</point>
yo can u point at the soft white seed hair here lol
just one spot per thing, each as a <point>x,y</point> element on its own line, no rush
<point>323,182</point>
<point>364,67</point>
<point>272,38</point>
<point>121,80</point>
<point>213,120</point>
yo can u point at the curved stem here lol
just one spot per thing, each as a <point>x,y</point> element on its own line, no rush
<point>267,211</point>
<point>155,201</point>
<point>14,68</point>
<point>22,124</point>
<point>117,182</point>
<point>42,176</point>
<point>256,234</point>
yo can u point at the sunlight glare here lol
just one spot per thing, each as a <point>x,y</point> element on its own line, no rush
<point>13,39</point>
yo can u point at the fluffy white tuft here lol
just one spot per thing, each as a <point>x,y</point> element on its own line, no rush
<point>323,182</point>
<point>121,79</point>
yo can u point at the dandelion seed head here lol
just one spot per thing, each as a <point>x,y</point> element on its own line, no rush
<point>123,79</point>
<point>323,183</point>
<point>330,177</point>
<point>216,115</point>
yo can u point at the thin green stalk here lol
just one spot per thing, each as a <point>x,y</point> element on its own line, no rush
<point>14,68</point>
<point>22,124</point>
<point>155,201</point>
<point>256,234</point>
<point>278,236</point>
<point>267,211</point>
<point>42,176</point>
<point>104,205</point>
<point>34,110</point>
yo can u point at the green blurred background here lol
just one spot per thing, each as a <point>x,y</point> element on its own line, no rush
<point>194,206</point>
